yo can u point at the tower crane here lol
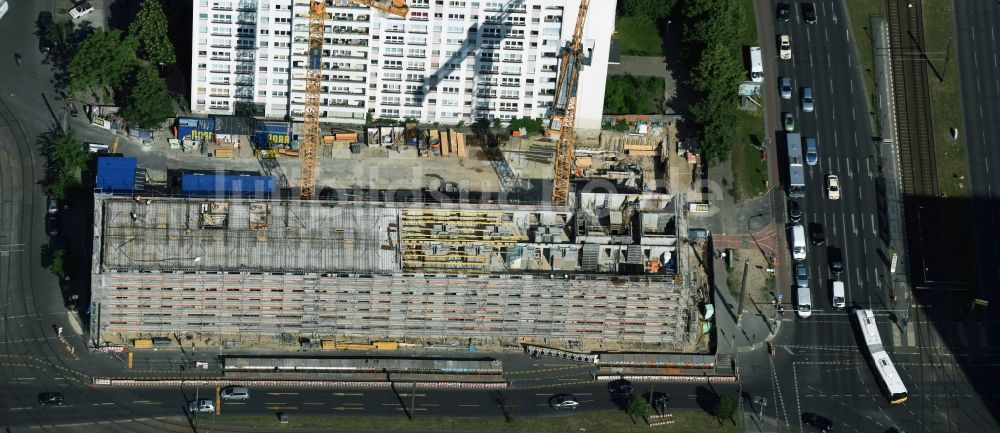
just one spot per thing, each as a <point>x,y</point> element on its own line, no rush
<point>314,84</point>
<point>562,124</point>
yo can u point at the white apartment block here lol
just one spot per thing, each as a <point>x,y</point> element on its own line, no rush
<point>447,61</point>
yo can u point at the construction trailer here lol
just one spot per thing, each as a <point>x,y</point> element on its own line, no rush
<point>612,275</point>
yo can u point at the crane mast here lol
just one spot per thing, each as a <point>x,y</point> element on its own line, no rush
<point>314,85</point>
<point>562,125</point>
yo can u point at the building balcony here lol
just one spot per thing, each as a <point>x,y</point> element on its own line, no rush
<point>486,95</point>
<point>415,68</point>
<point>384,90</point>
<point>392,66</point>
<point>244,82</point>
<point>219,95</point>
<point>510,97</point>
<point>508,108</point>
<point>221,58</point>
<point>220,33</point>
<point>226,44</point>
<point>512,60</point>
<point>219,71</point>
<point>392,42</point>
<point>222,6</point>
<point>390,103</point>
<point>246,6</point>
<point>244,71</point>
<point>218,107</point>
<point>219,82</point>
<point>488,71</point>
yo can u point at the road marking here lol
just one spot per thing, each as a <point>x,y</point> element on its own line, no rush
<point>412,395</point>
<point>282,407</point>
<point>343,394</point>
<point>468,405</point>
<point>24,378</point>
<point>847,163</point>
<point>313,404</point>
<point>390,404</point>
<point>868,167</point>
<point>852,86</point>
<point>101,404</point>
<point>826,35</point>
<point>234,402</point>
<point>852,114</point>
<point>272,403</point>
<point>348,408</point>
<point>873,225</point>
<point>413,409</point>
<point>832,93</point>
<point>858,272</point>
<point>430,404</point>
<point>836,142</point>
<point>860,196</point>
<point>282,393</point>
<point>854,226</point>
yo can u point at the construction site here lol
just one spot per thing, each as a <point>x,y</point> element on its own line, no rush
<point>554,241</point>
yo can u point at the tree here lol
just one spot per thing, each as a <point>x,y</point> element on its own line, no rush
<point>66,154</point>
<point>150,31</point>
<point>59,33</point>
<point>149,103</point>
<point>104,58</point>
<point>637,406</point>
<point>725,408</point>
<point>649,8</point>
<point>58,265</point>
<point>532,126</point>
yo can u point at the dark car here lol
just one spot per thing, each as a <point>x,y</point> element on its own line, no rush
<point>794,211</point>
<point>836,260</point>
<point>818,422</point>
<point>809,13</point>
<point>620,387</point>
<point>44,21</point>
<point>784,12</point>
<point>816,234</point>
<point>55,398</point>
<point>51,224</point>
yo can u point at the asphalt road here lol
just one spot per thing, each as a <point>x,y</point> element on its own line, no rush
<point>818,366</point>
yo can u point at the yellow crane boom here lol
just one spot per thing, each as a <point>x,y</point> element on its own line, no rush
<point>314,85</point>
<point>562,125</point>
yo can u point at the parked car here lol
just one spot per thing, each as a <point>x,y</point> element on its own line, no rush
<point>785,47</point>
<point>784,12</point>
<point>809,13</point>
<point>818,422</point>
<point>786,87</point>
<point>832,187</point>
<point>81,10</point>
<point>52,224</point>
<point>789,122</point>
<point>53,205</point>
<point>620,386</point>
<point>44,21</point>
<point>564,401</point>
<point>54,398</point>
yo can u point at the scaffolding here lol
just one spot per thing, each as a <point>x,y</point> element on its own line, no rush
<point>241,269</point>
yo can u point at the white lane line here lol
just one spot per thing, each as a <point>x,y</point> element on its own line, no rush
<point>826,35</point>
<point>972,31</point>
<point>864,244</point>
<point>847,163</point>
<point>860,196</point>
<point>852,86</point>
<point>858,273</point>
<point>855,139</point>
<point>808,36</point>
<point>20,408</point>
<point>852,114</point>
<point>835,141</point>
<point>831,91</point>
<point>829,63</point>
<point>868,167</point>
<point>862,219</point>
<point>873,224</point>
<point>854,225</point>
<point>994,60</point>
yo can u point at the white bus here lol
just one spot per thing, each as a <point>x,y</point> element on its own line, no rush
<point>3,8</point>
<point>885,372</point>
<point>756,65</point>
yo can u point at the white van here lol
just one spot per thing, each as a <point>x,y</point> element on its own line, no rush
<point>798,243</point>
<point>839,301</point>
<point>804,302</point>
<point>756,65</point>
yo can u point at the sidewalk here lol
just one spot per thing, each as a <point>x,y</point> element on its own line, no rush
<point>755,328</point>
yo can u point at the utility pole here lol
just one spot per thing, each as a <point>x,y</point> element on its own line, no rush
<point>413,398</point>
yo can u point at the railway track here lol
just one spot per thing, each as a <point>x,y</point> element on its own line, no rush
<point>922,206</point>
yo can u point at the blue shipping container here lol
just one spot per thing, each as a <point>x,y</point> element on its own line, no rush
<point>116,174</point>
<point>226,185</point>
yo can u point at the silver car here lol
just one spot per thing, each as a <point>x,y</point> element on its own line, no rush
<point>786,87</point>
<point>807,99</point>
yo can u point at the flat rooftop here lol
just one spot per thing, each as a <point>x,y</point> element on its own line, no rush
<point>607,233</point>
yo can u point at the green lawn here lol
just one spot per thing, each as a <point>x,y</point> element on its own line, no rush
<point>749,171</point>
<point>687,421</point>
<point>638,36</point>
<point>748,34</point>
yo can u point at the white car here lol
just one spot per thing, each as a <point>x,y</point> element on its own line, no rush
<point>80,10</point>
<point>785,47</point>
<point>564,401</point>
<point>832,187</point>
<point>201,406</point>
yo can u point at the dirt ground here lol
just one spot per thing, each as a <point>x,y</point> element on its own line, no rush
<point>760,282</point>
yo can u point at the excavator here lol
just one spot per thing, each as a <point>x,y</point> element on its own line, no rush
<point>314,85</point>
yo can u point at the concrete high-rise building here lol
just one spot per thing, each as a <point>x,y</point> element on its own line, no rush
<point>447,61</point>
